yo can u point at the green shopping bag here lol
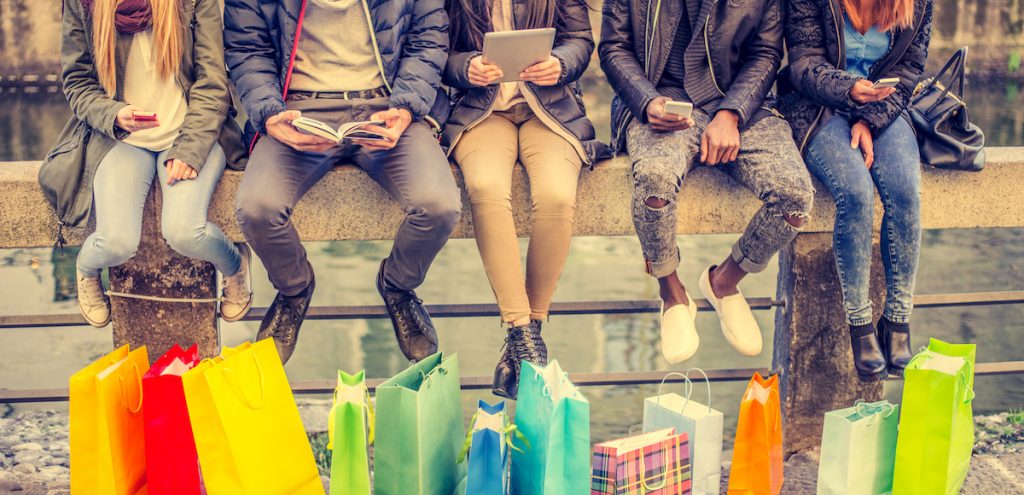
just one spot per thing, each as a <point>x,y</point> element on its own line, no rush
<point>858,448</point>
<point>554,417</point>
<point>350,429</point>
<point>419,430</point>
<point>936,431</point>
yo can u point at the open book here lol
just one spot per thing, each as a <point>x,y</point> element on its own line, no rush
<point>351,130</point>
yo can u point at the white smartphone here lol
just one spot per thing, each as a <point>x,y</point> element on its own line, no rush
<point>681,108</point>
<point>889,82</point>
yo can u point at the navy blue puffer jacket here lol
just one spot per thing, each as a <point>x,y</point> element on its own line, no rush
<point>412,40</point>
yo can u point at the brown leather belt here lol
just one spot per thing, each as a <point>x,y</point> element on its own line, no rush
<point>365,94</point>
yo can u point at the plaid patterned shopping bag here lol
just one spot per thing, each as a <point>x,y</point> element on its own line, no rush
<point>656,463</point>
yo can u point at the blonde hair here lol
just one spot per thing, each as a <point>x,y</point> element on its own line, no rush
<point>167,39</point>
<point>886,14</point>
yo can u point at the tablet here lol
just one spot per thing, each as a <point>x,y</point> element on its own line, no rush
<point>514,51</point>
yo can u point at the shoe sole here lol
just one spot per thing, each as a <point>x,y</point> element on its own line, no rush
<point>248,305</point>
<point>878,377</point>
<point>95,323</point>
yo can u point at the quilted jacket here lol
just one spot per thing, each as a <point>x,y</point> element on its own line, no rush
<point>563,102</point>
<point>816,85</point>
<point>411,38</point>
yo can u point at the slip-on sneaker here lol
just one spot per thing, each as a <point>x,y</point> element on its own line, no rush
<point>734,314</point>
<point>679,338</point>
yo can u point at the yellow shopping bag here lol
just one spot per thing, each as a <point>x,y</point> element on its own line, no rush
<point>253,442</point>
<point>108,453</point>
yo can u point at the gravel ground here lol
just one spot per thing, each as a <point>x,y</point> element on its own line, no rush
<point>34,457</point>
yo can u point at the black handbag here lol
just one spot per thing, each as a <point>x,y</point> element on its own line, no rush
<point>946,136</point>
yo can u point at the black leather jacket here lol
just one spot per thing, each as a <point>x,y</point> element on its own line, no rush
<point>742,39</point>
<point>563,102</point>
<point>815,84</point>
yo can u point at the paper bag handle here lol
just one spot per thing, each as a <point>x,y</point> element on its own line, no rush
<point>685,375</point>
<point>124,395</point>
<point>229,376</point>
<point>664,475</point>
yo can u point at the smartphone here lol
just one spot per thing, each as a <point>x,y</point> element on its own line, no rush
<point>144,116</point>
<point>680,108</point>
<point>889,82</point>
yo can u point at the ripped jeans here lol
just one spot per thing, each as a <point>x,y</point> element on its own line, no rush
<point>768,164</point>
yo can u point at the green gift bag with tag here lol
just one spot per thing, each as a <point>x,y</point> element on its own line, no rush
<point>419,430</point>
<point>858,448</point>
<point>933,452</point>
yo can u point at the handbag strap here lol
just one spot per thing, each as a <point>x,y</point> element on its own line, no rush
<point>957,64</point>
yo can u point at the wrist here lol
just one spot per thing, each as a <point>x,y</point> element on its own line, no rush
<point>728,115</point>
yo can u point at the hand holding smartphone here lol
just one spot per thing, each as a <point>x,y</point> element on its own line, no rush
<point>888,82</point>
<point>681,109</point>
<point>144,116</point>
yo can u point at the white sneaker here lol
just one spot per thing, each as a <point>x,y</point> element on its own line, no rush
<point>93,301</point>
<point>679,339</point>
<point>734,314</point>
<point>236,298</point>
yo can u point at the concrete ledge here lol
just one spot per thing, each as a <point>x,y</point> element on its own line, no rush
<point>349,205</point>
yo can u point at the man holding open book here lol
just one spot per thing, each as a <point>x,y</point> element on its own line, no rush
<point>306,70</point>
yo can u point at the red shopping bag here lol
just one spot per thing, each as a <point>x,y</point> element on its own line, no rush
<point>171,459</point>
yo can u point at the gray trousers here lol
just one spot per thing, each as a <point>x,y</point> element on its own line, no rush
<point>768,164</point>
<point>416,173</point>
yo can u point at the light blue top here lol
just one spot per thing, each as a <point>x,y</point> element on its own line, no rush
<point>864,50</point>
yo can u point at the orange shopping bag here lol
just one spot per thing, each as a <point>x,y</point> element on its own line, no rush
<point>757,453</point>
<point>108,453</point>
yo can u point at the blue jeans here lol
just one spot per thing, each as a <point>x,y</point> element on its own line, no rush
<point>123,180</point>
<point>896,174</point>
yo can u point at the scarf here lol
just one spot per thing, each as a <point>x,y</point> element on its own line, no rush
<point>132,16</point>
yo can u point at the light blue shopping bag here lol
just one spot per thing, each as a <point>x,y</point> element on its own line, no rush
<point>700,422</point>
<point>487,451</point>
<point>858,450</point>
<point>554,418</point>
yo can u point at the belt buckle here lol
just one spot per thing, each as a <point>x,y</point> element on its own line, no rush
<point>344,95</point>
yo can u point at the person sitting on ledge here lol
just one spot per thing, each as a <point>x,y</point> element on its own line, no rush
<point>722,57</point>
<point>341,61</point>
<point>146,80</point>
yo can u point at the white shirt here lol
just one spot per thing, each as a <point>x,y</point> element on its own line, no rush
<point>144,88</point>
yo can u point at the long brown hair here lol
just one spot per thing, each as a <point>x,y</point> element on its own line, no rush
<point>167,39</point>
<point>471,19</point>
<point>886,14</point>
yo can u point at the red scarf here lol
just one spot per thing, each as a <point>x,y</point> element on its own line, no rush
<point>132,16</point>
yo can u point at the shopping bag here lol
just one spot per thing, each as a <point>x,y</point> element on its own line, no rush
<point>487,449</point>
<point>108,453</point>
<point>420,430</point>
<point>655,463</point>
<point>350,430</point>
<point>172,465</point>
<point>858,449</point>
<point>554,418</point>
<point>703,427</point>
<point>933,451</point>
<point>249,435</point>
<point>757,452</point>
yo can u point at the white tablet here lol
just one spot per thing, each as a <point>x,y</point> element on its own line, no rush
<point>514,51</point>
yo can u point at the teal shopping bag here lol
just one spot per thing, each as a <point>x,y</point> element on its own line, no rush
<point>936,430</point>
<point>419,430</point>
<point>858,449</point>
<point>350,429</point>
<point>554,419</point>
<point>702,425</point>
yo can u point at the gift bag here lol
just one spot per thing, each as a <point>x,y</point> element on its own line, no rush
<point>703,427</point>
<point>350,429</point>
<point>420,430</point>
<point>655,463</point>
<point>249,435</point>
<point>933,451</point>
<point>554,418</point>
<point>108,453</point>
<point>858,449</point>
<point>757,452</point>
<point>172,465</point>
<point>487,447</point>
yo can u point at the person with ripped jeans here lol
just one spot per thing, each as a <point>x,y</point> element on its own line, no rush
<point>734,128</point>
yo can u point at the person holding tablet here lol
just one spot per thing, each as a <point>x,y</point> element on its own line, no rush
<point>850,79</point>
<point>722,57</point>
<point>538,120</point>
<point>150,101</point>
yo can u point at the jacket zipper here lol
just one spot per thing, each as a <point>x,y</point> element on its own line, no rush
<point>707,49</point>
<point>376,49</point>
<point>652,29</point>
<point>841,63</point>
<point>291,65</point>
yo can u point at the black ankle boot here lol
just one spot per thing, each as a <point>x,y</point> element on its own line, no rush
<point>895,345</point>
<point>523,343</point>
<point>868,358</point>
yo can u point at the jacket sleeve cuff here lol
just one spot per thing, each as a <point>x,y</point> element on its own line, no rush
<point>564,76</point>
<point>399,104</point>
<point>259,118</point>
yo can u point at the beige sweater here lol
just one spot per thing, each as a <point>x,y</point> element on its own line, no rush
<point>335,51</point>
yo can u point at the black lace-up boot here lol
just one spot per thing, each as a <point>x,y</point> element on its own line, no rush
<point>413,328</point>
<point>523,343</point>
<point>284,319</point>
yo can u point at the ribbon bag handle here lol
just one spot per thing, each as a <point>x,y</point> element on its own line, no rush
<point>124,394</point>
<point>968,391</point>
<point>229,376</point>
<point>883,407</point>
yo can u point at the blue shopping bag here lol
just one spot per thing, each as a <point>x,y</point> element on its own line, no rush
<point>488,450</point>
